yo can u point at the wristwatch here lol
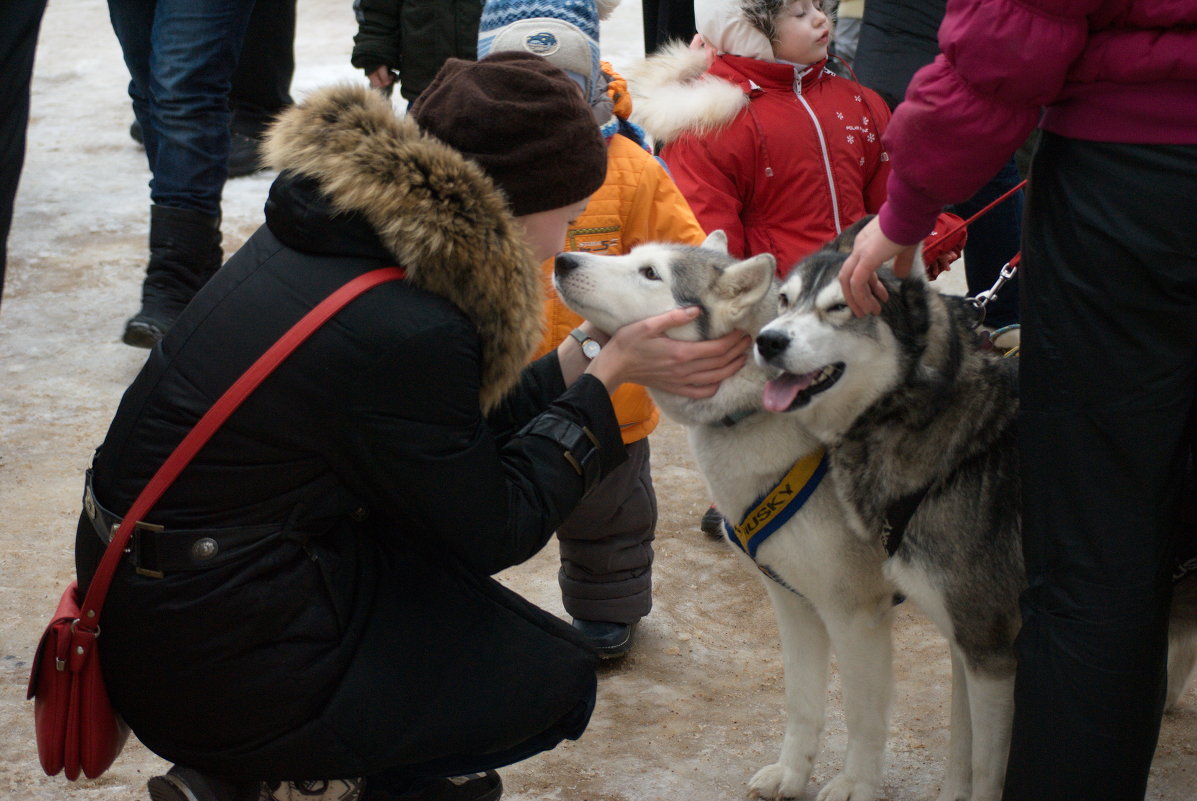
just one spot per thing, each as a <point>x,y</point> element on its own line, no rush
<point>590,345</point>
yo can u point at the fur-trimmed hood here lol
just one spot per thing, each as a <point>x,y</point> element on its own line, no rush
<point>683,91</point>
<point>673,94</point>
<point>437,213</point>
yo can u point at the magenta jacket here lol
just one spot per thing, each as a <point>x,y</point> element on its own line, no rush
<point>1100,70</point>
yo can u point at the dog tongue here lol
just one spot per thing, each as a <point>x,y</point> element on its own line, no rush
<point>781,391</point>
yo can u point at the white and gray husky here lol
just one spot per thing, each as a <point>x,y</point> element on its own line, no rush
<point>919,424</point>
<point>894,433</point>
<point>824,580</point>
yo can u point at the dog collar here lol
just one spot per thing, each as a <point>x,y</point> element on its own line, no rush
<point>772,510</point>
<point>729,420</point>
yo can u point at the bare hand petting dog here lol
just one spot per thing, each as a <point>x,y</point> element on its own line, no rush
<point>863,291</point>
<point>643,353</point>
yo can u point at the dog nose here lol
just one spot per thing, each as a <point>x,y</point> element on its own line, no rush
<point>771,343</point>
<point>564,263</point>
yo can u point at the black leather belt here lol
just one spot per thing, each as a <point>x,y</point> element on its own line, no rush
<point>155,551</point>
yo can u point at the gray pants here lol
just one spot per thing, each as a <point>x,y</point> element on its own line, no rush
<point>606,545</point>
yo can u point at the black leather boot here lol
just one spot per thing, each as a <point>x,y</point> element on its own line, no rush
<point>184,253</point>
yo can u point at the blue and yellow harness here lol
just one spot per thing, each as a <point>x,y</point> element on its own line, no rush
<point>775,508</point>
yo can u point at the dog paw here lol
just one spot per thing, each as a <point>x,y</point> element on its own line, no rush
<point>778,781</point>
<point>846,788</point>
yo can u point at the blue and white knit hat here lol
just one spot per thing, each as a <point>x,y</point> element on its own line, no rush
<point>565,32</point>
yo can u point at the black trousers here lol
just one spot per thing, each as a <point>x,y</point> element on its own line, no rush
<point>19,24</point>
<point>666,21</point>
<point>262,83</point>
<point>1108,383</point>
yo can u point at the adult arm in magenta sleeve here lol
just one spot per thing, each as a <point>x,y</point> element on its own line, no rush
<point>965,113</point>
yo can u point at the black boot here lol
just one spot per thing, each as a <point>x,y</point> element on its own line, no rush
<point>611,640</point>
<point>184,254</point>
<point>244,155</point>
<point>188,784</point>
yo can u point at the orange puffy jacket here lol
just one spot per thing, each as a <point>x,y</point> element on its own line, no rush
<point>637,203</point>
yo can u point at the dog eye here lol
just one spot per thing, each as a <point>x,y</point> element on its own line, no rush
<point>838,307</point>
<point>649,274</point>
<point>783,301</point>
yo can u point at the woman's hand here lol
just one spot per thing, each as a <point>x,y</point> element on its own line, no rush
<point>642,353</point>
<point>863,290</point>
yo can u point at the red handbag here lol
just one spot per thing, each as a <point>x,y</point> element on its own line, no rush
<point>77,728</point>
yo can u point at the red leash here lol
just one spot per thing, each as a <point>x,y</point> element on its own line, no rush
<point>953,239</point>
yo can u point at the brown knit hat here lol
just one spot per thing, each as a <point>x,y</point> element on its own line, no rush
<point>524,121</point>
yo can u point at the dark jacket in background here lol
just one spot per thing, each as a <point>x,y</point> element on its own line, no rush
<point>897,39</point>
<point>414,37</point>
<point>357,630</point>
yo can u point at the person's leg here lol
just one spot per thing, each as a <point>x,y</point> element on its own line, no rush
<point>180,95</point>
<point>606,546</point>
<point>1108,371</point>
<point>195,45</point>
<point>262,81</point>
<point>665,21</point>
<point>993,239</point>
<point>18,39</point>
<point>133,24</point>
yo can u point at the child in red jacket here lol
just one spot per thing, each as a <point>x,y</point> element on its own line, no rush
<point>765,142</point>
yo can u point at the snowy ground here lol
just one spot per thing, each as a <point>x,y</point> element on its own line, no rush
<point>690,715</point>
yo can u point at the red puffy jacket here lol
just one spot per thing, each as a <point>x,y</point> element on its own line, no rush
<point>782,159</point>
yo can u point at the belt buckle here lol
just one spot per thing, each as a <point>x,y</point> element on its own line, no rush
<point>89,502</point>
<point>138,528</point>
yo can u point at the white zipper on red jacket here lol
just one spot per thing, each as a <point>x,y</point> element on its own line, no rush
<point>835,202</point>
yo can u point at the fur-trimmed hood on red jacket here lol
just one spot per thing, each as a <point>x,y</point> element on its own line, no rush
<point>780,157</point>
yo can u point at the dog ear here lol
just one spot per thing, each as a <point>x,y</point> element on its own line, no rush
<point>744,283</point>
<point>847,238</point>
<point>716,240</point>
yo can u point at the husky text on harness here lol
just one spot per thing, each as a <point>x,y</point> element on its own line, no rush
<point>772,510</point>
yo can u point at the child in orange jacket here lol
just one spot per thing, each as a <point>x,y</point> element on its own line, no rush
<point>606,544</point>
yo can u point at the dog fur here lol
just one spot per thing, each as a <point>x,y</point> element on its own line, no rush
<point>834,595</point>
<point>908,405</point>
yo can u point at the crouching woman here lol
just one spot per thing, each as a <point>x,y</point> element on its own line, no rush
<point>318,600</point>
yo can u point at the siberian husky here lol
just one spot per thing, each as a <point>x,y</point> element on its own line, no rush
<point>825,582</point>
<point>919,423</point>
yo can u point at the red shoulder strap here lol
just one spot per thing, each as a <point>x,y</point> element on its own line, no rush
<point>212,420</point>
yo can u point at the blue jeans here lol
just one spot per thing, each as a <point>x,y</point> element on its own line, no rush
<point>993,239</point>
<point>181,56</point>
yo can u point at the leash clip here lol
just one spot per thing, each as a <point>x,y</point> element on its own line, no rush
<point>981,299</point>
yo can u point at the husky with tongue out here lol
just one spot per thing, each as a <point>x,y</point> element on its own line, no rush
<point>920,428</point>
<point>768,475</point>
<point>919,425</point>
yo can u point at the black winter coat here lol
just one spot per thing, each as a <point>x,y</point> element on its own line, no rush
<point>897,39</point>
<point>361,497</point>
<point>414,37</point>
